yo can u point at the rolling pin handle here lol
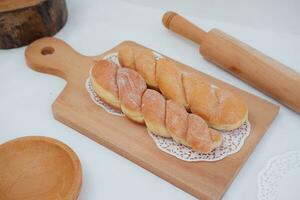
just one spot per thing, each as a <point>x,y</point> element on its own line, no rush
<point>183,27</point>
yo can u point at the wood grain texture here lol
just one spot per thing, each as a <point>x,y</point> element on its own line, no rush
<point>74,107</point>
<point>255,68</point>
<point>23,21</point>
<point>36,167</point>
<point>241,60</point>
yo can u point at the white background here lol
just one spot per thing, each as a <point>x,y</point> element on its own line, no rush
<point>96,26</point>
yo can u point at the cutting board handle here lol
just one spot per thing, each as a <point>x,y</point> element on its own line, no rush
<point>54,56</point>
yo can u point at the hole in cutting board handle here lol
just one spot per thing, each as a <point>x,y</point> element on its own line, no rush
<point>47,51</point>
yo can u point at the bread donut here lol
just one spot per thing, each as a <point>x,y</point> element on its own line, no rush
<point>200,137</point>
<point>131,88</point>
<point>103,77</point>
<point>221,109</point>
<point>164,118</point>
<point>145,66</point>
<point>154,112</point>
<point>216,138</point>
<point>177,121</point>
<point>126,57</point>
<point>169,79</point>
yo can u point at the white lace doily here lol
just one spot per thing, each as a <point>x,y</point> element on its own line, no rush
<point>280,179</point>
<point>232,140</point>
<point>232,143</point>
<point>97,100</point>
<point>113,57</point>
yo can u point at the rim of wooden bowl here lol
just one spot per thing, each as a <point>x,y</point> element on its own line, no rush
<point>74,190</point>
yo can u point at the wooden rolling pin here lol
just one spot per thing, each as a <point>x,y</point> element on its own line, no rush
<point>243,61</point>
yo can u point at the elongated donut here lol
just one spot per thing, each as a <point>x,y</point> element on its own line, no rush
<point>200,137</point>
<point>154,112</point>
<point>103,77</point>
<point>126,57</point>
<point>177,121</point>
<point>220,108</point>
<point>145,66</point>
<point>131,88</point>
<point>162,117</point>
<point>169,79</point>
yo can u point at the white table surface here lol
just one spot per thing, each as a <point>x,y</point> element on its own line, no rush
<point>96,26</point>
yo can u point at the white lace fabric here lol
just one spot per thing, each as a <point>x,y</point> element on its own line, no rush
<point>232,140</point>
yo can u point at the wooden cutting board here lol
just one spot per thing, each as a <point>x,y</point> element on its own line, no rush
<point>75,108</point>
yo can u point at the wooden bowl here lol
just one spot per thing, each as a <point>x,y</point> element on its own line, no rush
<point>35,168</point>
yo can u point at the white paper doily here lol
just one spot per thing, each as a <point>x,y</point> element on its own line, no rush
<point>232,140</point>
<point>280,179</point>
<point>232,143</point>
<point>113,57</point>
<point>97,100</point>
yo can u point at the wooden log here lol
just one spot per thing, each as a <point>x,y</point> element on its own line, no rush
<point>23,21</point>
